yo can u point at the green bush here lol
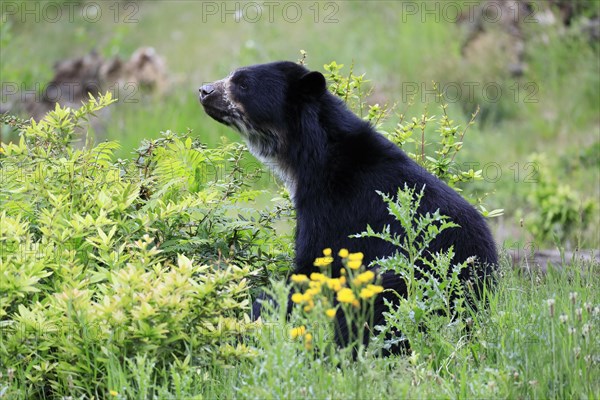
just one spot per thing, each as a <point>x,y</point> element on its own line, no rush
<point>104,261</point>
<point>558,212</point>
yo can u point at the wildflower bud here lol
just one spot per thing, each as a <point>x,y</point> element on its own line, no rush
<point>308,338</point>
<point>356,256</point>
<point>343,253</point>
<point>515,375</point>
<point>596,310</point>
<point>577,351</point>
<point>588,306</point>
<point>296,332</point>
<point>297,298</point>
<point>327,252</point>
<point>550,303</point>
<point>354,264</point>
<point>366,294</point>
<point>563,318</point>
<point>323,262</point>
<point>345,296</point>
<point>572,330</point>
<point>533,382</point>
<point>579,312</point>
<point>299,278</point>
<point>469,322</point>
<point>363,278</point>
<point>318,277</point>
<point>11,374</point>
<point>586,329</point>
<point>588,358</point>
<point>573,297</point>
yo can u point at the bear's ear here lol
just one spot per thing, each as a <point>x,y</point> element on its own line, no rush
<point>313,83</point>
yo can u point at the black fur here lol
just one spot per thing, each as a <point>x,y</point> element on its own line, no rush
<point>333,163</point>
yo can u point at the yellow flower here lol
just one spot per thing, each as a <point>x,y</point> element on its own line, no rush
<point>318,277</point>
<point>299,278</point>
<point>375,288</point>
<point>298,298</point>
<point>296,332</point>
<point>355,303</point>
<point>356,256</point>
<point>113,393</point>
<point>308,338</point>
<point>330,313</point>
<point>323,262</point>
<point>310,293</point>
<point>327,252</point>
<point>315,285</point>
<point>345,296</point>
<point>343,253</point>
<point>309,306</point>
<point>366,293</point>
<point>365,277</point>
<point>334,284</point>
<point>354,264</point>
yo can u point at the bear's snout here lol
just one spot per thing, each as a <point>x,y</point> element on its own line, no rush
<point>215,100</point>
<point>205,90</point>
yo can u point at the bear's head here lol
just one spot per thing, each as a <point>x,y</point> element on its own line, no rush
<point>260,102</point>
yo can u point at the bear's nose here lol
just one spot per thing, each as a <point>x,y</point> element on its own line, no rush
<point>205,90</point>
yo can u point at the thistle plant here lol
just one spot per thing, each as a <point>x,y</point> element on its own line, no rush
<point>434,294</point>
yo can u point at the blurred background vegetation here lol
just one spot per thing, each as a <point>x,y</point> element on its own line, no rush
<point>532,68</point>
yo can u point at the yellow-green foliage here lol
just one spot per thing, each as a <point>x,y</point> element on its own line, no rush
<point>559,212</point>
<point>92,267</point>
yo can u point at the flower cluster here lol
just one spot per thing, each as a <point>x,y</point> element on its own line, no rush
<point>353,284</point>
<point>301,332</point>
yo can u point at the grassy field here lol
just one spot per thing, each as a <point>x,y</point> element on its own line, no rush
<point>551,109</point>
<point>540,140</point>
<point>538,340</point>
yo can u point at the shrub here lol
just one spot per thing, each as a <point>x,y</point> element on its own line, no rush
<point>559,212</point>
<point>104,261</point>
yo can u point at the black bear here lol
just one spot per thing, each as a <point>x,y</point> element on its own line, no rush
<point>332,163</point>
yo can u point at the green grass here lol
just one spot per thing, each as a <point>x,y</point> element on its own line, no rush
<point>518,348</point>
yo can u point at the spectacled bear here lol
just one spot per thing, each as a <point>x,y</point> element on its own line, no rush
<point>333,163</point>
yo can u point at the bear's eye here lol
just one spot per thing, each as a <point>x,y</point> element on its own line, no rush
<point>243,86</point>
